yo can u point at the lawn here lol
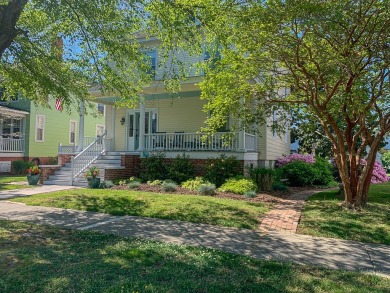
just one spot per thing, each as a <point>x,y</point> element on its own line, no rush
<point>46,259</point>
<point>4,180</point>
<point>190,208</point>
<point>323,216</point>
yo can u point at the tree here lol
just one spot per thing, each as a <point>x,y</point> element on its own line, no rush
<point>333,54</point>
<point>64,47</point>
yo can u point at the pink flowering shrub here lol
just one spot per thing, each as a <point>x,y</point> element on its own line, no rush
<point>295,157</point>
<point>378,174</point>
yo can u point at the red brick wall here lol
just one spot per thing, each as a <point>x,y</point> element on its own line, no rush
<point>46,172</point>
<point>64,158</point>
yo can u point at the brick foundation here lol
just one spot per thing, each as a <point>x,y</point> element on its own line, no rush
<point>64,158</point>
<point>46,171</point>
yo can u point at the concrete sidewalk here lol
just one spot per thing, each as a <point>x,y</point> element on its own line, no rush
<point>8,194</point>
<point>323,252</point>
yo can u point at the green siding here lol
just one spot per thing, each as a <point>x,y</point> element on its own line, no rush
<point>56,129</point>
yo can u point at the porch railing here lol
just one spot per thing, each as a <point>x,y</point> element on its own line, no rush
<point>89,155</point>
<point>12,145</point>
<point>72,149</point>
<point>220,141</point>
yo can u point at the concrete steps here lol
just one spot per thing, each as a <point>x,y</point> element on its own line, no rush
<point>109,161</point>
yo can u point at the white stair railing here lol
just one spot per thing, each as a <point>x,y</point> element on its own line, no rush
<point>89,155</point>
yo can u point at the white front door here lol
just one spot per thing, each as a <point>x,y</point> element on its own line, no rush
<point>133,123</point>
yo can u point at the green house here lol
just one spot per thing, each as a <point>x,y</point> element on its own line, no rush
<point>29,131</point>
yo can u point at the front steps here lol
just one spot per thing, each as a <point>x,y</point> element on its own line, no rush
<point>111,160</point>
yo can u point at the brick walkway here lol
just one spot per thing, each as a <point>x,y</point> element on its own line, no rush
<point>284,217</point>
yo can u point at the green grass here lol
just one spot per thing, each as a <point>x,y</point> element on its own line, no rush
<point>8,179</point>
<point>5,180</point>
<point>46,259</point>
<point>323,216</point>
<point>196,209</point>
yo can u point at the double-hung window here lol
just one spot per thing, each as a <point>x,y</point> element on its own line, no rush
<point>72,132</point>
<point>40,128</point>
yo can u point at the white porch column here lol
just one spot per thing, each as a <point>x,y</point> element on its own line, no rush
<point>80,145</point>
<point>113,113</point>
<point>241,134</point>
<point>141,126</point>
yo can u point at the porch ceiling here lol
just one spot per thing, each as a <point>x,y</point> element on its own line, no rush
<point>12,113</point>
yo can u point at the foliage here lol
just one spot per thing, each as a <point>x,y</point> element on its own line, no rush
<point>295,157</point>
<point>238,185</point>
<point>92,172</point>
<point>250,194</point>
<point>386,160</point>
<point>61,50</point>
<point>20,167</point>
<point>134,179</point>
<point>263,177</point>
<point>279,187</point>
<point>329,59</point>
<point>153,167</point>
<point>193,184</point>
<point>34,170</point>
<point>181,169</point>
<point>168,186</point>
<point>207,189</point>
<point>155,182</point>
<point>219,169</point>
<point>134,185</point>
<point>301,173</point>
<point>379,173</point>
<point>53,160</point>
<point>106,184</point>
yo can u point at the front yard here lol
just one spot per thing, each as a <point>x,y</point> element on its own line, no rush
<point>190,208</point>
<point>6,180</point>
<point>36,258</point>
<point>323,216</point>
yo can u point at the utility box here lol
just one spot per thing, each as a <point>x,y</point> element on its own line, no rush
<point>5,166</point>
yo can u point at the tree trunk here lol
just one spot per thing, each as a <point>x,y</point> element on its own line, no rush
<point>9,15</point>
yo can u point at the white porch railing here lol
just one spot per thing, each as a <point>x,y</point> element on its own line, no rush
<point>11,145</point>
<point>89,155</point>
<point>72,149</point>
<point>220,141</point>
<point>250,142</point>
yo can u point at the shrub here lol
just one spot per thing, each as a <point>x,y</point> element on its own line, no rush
<point>169,181</point>
<point>378,174</point>
<point>153,168</point>
<point>295,157</point>
<point>238,185</point>
<point>250,194</point>
<point>299,173</point>
<point>134,179</point>
<point>134,185</point>
<point>193,184</point>
<point>323,172</point>
<point>168,187</point>
<point>207,189</point>
<point>181,169</point>
<point>279,186</point>
<point>20,167</point>
<point>107,184</point>
<point>155,182</point>
<point>263,177</point>
<point>386,160</point>
<point>53,160</point>
<point>222,168</point>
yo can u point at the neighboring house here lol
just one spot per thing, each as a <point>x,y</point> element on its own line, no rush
<point>29,131</point>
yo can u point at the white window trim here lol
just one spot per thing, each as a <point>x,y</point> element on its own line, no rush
<point>75,131</point>
<point>43,128</point>
<point>104,109</point>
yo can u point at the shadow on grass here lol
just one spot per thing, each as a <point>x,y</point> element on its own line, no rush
<point>42,259</point>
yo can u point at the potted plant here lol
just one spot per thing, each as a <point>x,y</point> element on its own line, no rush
<point>33,175</point>
<point>91,176</point>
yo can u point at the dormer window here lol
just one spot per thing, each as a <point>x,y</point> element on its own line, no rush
<point>152,56</point>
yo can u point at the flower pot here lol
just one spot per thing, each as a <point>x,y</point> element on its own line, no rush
<point>33,179</point>
<point>93,182</point>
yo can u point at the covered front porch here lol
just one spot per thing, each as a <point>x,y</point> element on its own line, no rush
<point>12,130</point>
<point>171,125</point>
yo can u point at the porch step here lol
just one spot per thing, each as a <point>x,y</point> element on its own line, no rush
<point>108,162</point>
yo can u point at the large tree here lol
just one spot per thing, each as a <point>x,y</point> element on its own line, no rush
<point>332,54</point>
<point>64,47</point>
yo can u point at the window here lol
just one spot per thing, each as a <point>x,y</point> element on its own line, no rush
<point>40,128</point>
<point>100,108</point>
<point>72,132</point>
<point>274,122</point>
<point>11,128</point>
<point>99,130</point>
<point>152,56</point>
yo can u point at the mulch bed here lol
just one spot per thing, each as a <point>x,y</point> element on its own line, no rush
<point>271,196</point>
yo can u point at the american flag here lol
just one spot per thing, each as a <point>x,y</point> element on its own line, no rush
<point>59,104</point>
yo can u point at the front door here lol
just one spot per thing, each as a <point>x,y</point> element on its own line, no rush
<point>133,125</point>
